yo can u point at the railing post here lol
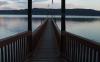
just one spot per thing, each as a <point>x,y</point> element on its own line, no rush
<point>63,29</point>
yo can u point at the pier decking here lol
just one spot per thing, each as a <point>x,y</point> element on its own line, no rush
<point>47,49</point>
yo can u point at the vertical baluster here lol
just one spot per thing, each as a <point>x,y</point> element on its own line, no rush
<point>90,54</point>
<point>9,55</point>
<point>16,50</point>
<point>25,46</point>
<point>67,48</point>
<point>12,58</point>
<point>99,54</point>
<point>73,50</point>
<point>76,51</point>
<point>27,51</point>
<point>84,49</point>
<point>22,47</point>
<point>5,50</point>
<point>82,53</point>
<point>87,54</point>
<point>2,55</point>
<point>68,45</point>
<point>80,59</point>
<point>79,52</point>
<point>94,57</point>
<point>20,50</point>
<point>70,49</point>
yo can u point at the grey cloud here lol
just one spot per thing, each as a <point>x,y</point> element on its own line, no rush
<point>3,3</point>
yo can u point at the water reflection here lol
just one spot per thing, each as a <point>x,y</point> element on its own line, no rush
<point>82,19</point>
<point>85,27</point>
<point>14,25</point>
<point>88,28</point>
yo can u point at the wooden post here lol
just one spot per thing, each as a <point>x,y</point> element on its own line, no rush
<point>63,29</point>
<point>29,40</point>
<point>29,15</point>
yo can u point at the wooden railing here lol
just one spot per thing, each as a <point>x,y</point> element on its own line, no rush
<point>79,49</point>
<point>14,48</point>
<point>57,32</point>
<point>19,47</point>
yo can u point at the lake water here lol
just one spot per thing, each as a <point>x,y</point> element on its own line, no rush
<point>13,25</point>
<point>85,27</point>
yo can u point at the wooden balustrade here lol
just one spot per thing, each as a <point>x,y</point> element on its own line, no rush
<point>14,48</point>
<point>79,49</point>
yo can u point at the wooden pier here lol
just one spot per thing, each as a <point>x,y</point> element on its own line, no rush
<point>46,46</point>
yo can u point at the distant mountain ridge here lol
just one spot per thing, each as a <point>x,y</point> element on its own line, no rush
<point>38,11</point>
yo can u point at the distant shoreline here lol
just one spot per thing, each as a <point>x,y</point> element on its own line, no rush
<point>43,11</point>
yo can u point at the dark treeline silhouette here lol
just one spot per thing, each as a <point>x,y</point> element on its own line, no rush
<point>17,12</point>
<point>38,11</point>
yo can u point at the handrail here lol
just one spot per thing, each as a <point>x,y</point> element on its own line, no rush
<point>79,49</point>
<point>57,32</point>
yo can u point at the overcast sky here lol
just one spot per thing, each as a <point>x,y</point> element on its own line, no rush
<point>22,4</point>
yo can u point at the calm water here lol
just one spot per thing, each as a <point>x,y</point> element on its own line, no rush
<point>85,27</point>
<point>13,25</point>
